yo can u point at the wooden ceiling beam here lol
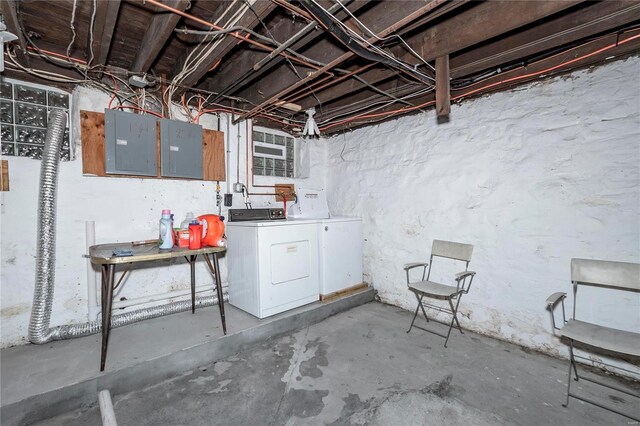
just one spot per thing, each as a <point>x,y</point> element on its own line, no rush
<point>106,17</point>
<point>461,31</point>
<point>160,30</point>
<point>388,21</point>
<point>483,22</point>
<point>250,19</point>
<point>283,31</point>
<point>9,10</point>
<point>596,18</point>
<point>624,50</point>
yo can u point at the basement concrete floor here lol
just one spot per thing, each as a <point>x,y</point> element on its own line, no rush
<point>360,367</point>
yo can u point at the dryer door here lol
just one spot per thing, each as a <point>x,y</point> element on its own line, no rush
<point>288,267</point>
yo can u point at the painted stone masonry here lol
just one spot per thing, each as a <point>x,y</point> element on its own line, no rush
<point>532,177</point>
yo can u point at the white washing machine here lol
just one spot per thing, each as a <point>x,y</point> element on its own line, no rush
<point>339,238</point>
<point>273,265</point>
<point>340,247</point>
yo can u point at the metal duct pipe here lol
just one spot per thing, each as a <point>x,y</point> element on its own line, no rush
<point>46,245</point>
<point>39,330</point>
<point>78,330</point>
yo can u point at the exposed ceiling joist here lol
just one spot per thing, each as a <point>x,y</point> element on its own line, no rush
<point>250,19</point>
<point>9,9</point>
<point>406,20</point>
<point>514,77</point>
<point>346,38</point>
<point>230,83</point>
<point>479,24</point>
<point>156,37</point>
<point>105,23</point>
<point>267,84</point>
<point>464,30</point>
<point>594,19</point>
<point>484,41</point>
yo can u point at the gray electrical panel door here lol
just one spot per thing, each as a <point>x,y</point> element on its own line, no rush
<point>180,149</point>
<point>130,143</point>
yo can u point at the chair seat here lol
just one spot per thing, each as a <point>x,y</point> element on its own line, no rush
<point>623,342</point>
<point>433,289</point>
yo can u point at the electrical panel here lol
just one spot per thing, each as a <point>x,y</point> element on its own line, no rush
<point>180,149</point>
<point>130,143</point>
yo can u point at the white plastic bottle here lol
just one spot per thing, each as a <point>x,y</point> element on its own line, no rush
<point>166,230</point>
<point>187,220</point>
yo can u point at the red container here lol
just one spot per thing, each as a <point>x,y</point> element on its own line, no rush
<point>212,231</point>
<point>183,238</point>
<point>195,236</point>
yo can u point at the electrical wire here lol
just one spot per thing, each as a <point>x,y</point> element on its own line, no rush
<point>373,34</point>
<point>138,109</point>
<point>293,68</point>
<point>125,93</point>
<point>72,26</point>
<point>371,47</point>
<point>388,114</point>
<point>91,28</point>
<point>197,56</point>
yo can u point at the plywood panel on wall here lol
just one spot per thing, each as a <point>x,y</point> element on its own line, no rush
<point>4,176</point>
<point>213,165</point>
<point>92,128</point>
<point>93,151</point>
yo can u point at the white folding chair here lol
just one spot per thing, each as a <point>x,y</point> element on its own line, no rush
<point>450,293</point>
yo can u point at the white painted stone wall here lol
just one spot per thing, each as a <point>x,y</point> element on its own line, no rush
<point>532,177</point>
<point>123,209</point>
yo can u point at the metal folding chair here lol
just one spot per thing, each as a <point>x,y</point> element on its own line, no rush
<point>607,275</point>
<point>430,289</point>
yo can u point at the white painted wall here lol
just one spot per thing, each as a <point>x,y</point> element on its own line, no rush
<point>123,209</point>
<point>532,177</point>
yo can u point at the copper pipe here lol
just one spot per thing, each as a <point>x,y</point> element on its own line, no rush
<point>309,89</point>
<point>336,81</point>
<point>304,92</point>
<point>266,193</point>
<point>253,73</point>
<point>344,57</point>
<point>234,34</point>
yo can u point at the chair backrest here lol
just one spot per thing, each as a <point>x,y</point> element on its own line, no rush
<point>451,250</point>
<point>605,273</point>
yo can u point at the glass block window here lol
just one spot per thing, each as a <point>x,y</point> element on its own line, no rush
<point>24,109</point>
<point>272,161</point>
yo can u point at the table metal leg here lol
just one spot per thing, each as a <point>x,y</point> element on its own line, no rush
<point>193,282</point>
<point>108,275</point>
<point>215,270</point>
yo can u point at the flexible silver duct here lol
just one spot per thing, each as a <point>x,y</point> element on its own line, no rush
<point>39,330</point>
<point>93,327</point>
<point>46,245</point>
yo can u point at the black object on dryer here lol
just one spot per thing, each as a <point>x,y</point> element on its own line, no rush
<point>244,215</point>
